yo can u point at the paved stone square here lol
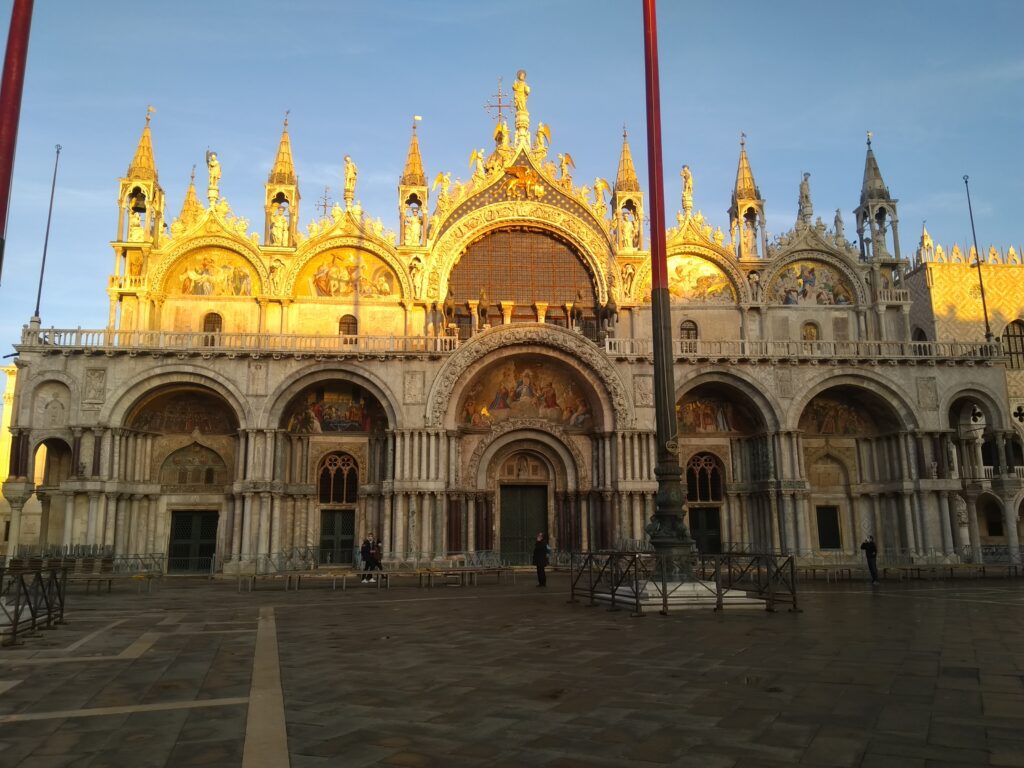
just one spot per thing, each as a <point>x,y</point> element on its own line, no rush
<point>921,674</point>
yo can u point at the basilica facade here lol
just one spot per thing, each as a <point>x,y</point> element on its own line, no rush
<point>485,373</point>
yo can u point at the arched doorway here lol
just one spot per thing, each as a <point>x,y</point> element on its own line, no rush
<point>850,436</point>
<point>55,456</point>
<point>726,457</point>
<point>338,492</point>
<point>524,490</point>
<point>196,470</point>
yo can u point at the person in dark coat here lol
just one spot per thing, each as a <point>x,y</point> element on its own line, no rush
<point>540,559</point>
<point>871,553</point>
<point>370,552</point>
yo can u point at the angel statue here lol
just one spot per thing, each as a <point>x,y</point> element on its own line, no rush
<point>565,162</point>
<point>600,187</point>
<point>477,157</point>
<point>444,180</point>
<point>543,132</point>
<point>687,189</point>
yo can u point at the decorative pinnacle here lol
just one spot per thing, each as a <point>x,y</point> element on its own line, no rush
<point>743,139</point>
<point>192,179</point>
<point>150,109</point>
<point>870,134</point>
<point>286,113</point>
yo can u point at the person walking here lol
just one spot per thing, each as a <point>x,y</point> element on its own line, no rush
<point>371,555</point>
<point>871,553</point>
<point>540,559</point>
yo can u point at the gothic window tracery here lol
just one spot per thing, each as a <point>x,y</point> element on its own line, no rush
<point>339,479</point>
<point>1013,344</point>
<point>703,478</point>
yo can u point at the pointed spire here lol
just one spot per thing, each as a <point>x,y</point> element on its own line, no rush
<point>283,171</point>
<point>413,175</point>
<point>191,208</point>
<point>143,166</point>
<point>873,187</point>
<point>625,179</point>
<point>746,187</point>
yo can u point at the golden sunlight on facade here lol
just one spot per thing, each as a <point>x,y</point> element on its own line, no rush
<point>485,373</point>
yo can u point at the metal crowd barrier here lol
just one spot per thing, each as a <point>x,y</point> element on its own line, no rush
<point>31,601</point>
<point>627,578</point>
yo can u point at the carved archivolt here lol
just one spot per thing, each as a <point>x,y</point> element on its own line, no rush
<point>527,426</point>
<point>594,249</point>
<point>357,242</point>
<point>242,248</point>
<point>505,338</point>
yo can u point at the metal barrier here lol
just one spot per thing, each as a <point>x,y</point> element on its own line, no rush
<point>634,578</point>
<point>30,601</point>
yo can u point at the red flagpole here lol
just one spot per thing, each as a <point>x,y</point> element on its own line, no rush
<point>10,106</point>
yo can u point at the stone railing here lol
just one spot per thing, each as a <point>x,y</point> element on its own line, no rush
<point>78,339</point>
<point>699,349</point>
<point>893,296</point>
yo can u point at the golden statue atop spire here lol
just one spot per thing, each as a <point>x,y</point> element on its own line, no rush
<point>520,93</point>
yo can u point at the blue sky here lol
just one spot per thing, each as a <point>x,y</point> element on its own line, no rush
<point>939,83</point>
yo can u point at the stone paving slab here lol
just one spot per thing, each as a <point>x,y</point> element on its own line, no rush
<point>508,675</point>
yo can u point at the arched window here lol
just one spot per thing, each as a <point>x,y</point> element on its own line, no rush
<point>339,479</point>
<point>348,326</point>
<point>703,478</point>
<point>688,330</point>
<point>212,324</point>
<point>809,332</point>
<point>1013,344</point>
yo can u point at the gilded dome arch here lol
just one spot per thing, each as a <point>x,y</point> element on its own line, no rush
<point>594,250</point>
<point>178,251</point>
<point>356,242</point>
<point>720,258</point>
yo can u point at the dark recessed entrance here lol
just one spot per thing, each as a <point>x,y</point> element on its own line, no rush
<point>706,530</point>
<point>337,536</point>
<point>524,513</point>
<point>193,542</point>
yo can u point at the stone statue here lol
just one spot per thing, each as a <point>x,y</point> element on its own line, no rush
<point>520,91</point>
<point>806,210</point>
<point>413,226</point>
<point>278,227</point>
<point>754,281</point>
<point>628,274</point>
<point>564,164</point>
<point>415,270</point>
<point>687,189</point>
<point>350,181</point>
<point>749,247</point>
<point>838,225</point>
<point>628,230</point>
<point>135,230</point>
<point>213,166</point>
<point>448,309</point>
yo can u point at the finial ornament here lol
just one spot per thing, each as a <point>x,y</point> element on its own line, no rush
<point>192,178</point>
<point>870,134</point>
<point>415,119</point>
<point>286,113</point>
<point>743,139</point>
<point>150,109</point>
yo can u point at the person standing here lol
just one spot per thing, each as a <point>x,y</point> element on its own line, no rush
<point>540,559</point>
<point>371,554</point>
<point>871,553</point>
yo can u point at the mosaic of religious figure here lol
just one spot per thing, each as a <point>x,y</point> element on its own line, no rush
<point>339,274</point>
<point>696,413</point>
<point>691,278</point>
<point>212,273</point>
<point>827,416</point>
<point>810,283</point>
<point>183,412</point>
<point>526,388</point>
<point>339,407</point>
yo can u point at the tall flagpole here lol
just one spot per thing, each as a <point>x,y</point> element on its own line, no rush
<point>667,529</point>
<point>977,263</point>
<point>10,106</point>
<point>46,240</point>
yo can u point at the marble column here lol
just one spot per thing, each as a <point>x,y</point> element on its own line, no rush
<point>69,517</point>
<point>973,531</point>
<point>471,522</point>
<point>944,523</point>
